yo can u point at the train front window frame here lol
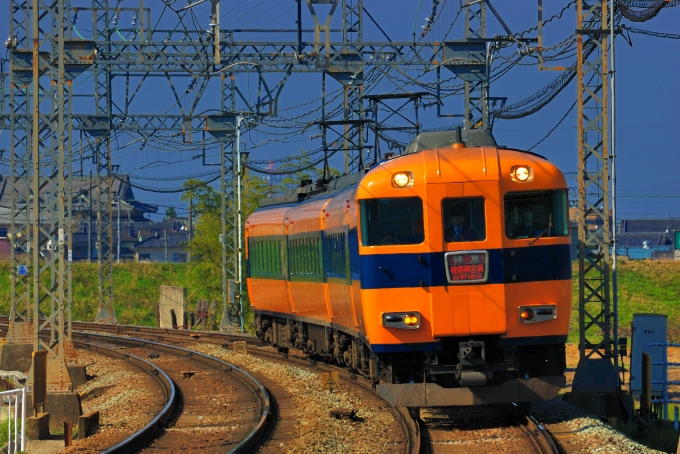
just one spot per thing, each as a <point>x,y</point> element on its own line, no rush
<point>531,214</point>
<point>392,221</point>
<point>470,212</point>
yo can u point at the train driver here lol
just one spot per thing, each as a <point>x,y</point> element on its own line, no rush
<point>528,228</point>
<point>459,230</point>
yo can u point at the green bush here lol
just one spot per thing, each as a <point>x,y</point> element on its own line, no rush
<point>136,289</point>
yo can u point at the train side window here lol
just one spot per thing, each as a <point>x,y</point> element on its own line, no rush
<point>265,258</point>
<point>529,214</point>
<point>392,221</point>
<point>463,219</point>
<point>335,255</point>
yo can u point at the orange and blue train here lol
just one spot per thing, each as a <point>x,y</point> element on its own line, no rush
<point>443,274</point>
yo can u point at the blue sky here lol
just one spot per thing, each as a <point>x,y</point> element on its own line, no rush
<point>646,94</point>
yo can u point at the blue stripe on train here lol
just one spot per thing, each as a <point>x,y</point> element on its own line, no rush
<point>399,348</point>
<point>506,266</point>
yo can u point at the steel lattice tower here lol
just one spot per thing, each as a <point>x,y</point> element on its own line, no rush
<point>596,382</point>
<point>476,83</point>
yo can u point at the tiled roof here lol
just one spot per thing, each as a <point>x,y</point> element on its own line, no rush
<point>81,186</point>
<point>173,240</point>
<point>649,225</point>
<point>638,239</point>
<point>162,225</point>
<point>82,237</point>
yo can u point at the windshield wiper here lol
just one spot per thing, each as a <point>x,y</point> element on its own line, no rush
<point>546,230</point>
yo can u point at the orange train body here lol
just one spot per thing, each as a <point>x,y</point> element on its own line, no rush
<point>377,272</point>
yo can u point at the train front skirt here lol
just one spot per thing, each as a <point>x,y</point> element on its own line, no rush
<point>433,395</point>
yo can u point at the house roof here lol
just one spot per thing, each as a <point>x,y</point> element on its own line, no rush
<point>638,239</point>
<point>172,240</point>
<point>650,225</point>
<point>171,224</point>
<point>125,237</point>
<point>84,191</point>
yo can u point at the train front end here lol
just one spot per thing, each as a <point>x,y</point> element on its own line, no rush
<point>465,275</point>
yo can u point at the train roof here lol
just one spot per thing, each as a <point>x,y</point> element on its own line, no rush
<point>444,139</point>
<point>306,191</point>
<point>423,141</point>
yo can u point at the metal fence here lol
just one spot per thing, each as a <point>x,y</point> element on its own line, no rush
<point>665,399</point>
<point>16,419</point>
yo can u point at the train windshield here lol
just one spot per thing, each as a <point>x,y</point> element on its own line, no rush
<point>392,221</point>
<point>532,214</point>
<point>463,219</point>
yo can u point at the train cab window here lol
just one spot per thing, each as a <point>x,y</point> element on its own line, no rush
<point>392,221</point>
<point>532,214</point>
<point>463,219</point>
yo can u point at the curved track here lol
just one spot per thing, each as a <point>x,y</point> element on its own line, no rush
<point>282,410</point>
<point>281,404</point>
<point>198,418</point>
<point>285,416</point>
<point>156,426</point>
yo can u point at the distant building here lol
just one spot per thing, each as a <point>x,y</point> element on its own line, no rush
<point>163,247</point>
<point>84,200</point>
<point>592,221</point>
<point>647,238</point>
<point>139,239</point>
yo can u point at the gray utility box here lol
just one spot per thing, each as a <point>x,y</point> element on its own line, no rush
<point>647,329</point>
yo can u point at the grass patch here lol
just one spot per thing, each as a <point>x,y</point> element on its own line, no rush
<point>136,289</point>
<point>645,286</point>
<point>4,430</point>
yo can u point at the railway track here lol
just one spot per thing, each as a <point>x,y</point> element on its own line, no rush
<point>215,406</point>
<point>238,421</point>
<point>483,429</point>
<point>285,414</point>
<point>478,429</point>
<point>408,426</point>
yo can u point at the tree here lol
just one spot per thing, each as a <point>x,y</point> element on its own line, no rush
<point>170,213</point>
<point>311,173</point>
<point>205,208</point>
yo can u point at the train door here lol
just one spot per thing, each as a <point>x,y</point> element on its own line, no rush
<point>468,233</point>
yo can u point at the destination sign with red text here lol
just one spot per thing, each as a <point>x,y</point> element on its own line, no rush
<point>466,266</point>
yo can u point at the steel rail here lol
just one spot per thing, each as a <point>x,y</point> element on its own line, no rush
<point>254,438</point>
<point>411,426</point>
<point>157,425</point>
<point>131,444</point>
<point>540,438</point>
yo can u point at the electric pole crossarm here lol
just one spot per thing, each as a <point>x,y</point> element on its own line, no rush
<point>181,57</point>
<point>136,122</point>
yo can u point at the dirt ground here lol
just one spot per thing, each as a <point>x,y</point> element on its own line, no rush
<point>673,371</point>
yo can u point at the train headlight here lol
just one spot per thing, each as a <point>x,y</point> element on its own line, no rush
<point>534,314</point>
<point>402,179</point>
<point>522,174</point>
<point>407,320</point>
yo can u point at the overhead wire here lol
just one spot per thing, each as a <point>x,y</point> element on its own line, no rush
<point>650,32</point>
<point>292,123</point>
<point>554,127</point>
